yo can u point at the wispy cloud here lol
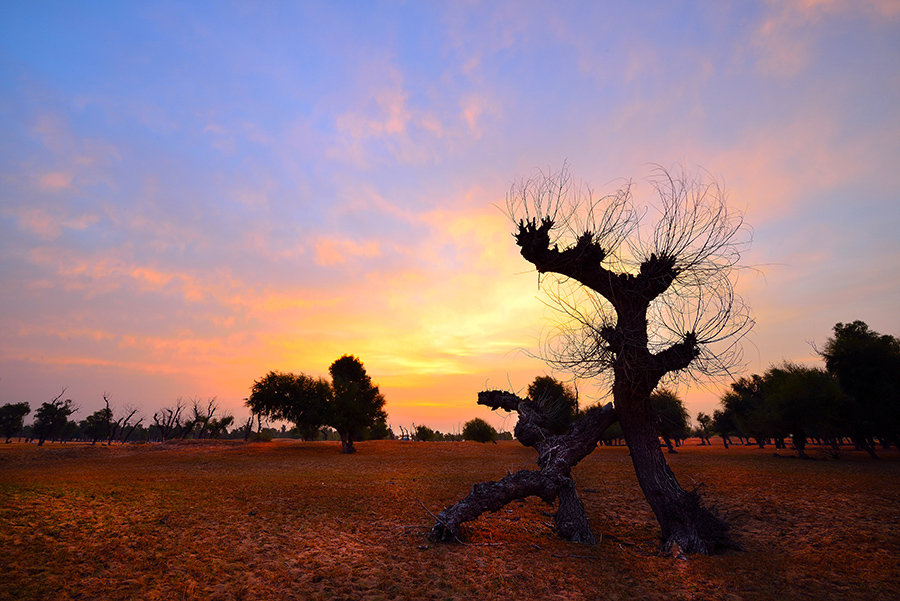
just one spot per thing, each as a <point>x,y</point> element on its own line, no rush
<point>181,218</point>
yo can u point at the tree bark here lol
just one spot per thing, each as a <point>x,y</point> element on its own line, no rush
<point>681,516</point>
<point>557,455</point>
<point>347,443</point>
<point>621,344</point>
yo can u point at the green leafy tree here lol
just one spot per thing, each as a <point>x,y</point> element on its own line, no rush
<point>556,401</point>
<point>12,417</point>
<point>425,434</point>
<point>479,430</point>
<point>800,400</point>
<point>669,416</point>
<point>96,426</point>
<point>299,399</point>
<point>51,420</point>
<point>355,403</point>
<point>867,366</point>
<point>704,428</point>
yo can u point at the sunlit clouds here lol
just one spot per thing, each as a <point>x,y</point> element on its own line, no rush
<point>191,196</point>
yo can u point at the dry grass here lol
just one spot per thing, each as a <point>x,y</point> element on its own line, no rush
<point>301,521</point>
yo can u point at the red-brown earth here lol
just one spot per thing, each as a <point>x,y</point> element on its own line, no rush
<point>289,520</point>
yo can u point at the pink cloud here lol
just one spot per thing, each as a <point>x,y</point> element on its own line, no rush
<point>39,222</point>
<point>56,180</point>
<point>474,107</point>
<point>784,39</point>
<point>332,251</point>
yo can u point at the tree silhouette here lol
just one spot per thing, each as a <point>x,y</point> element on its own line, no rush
<point>704,427</point>
<point>636,306</point>
<point>556,400</point>
<point>12,416</point>
<point>867,366</point>
<point>669,416</point>
<point>425,434</point>
<point>297,398</point>
<point>479,430</point>
<point>51,418</point>
<point>723,425</point>
<point>745,405</point>
<point>351,403</point>
<point>168,421</point>
<point>800,400</point>
<point>96,426</point>
<point>355,403</point>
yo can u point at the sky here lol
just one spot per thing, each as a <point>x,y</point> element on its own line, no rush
<point>194,194</point>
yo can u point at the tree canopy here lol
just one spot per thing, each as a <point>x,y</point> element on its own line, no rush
<point>479,430</point>
<point>355,403</point>
<point>296,398</point>
<point>350,403</point>
<point>12,416</point>
<point>867,366</point>
<point>52,418</point>
<point>556,401</point>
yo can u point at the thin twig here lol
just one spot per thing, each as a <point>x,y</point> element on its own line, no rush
<point>439,520</point>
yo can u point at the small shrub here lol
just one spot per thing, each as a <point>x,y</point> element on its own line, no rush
<point>479,431</point>
<point>264,436</point>
<point>425,433</point>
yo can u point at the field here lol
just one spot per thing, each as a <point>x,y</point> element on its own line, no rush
<point>288,520</point>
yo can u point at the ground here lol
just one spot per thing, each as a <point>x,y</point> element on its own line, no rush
<point>289,520</point>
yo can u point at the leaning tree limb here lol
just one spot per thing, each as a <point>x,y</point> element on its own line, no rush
<point>557,455</point>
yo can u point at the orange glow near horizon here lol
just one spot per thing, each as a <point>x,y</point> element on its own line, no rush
<point>169,229</point>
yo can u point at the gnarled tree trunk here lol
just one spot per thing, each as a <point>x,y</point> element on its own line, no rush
<point>683,520</point>
<point>557,455</point>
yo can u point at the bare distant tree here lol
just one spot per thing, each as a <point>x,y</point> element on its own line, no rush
<point>125,431</point>
<point>115,428</point>
<point>168,420</point>
<point>637,306</point>
<point>203,415</point>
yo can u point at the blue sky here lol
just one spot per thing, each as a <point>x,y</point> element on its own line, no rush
<point>193,195</point>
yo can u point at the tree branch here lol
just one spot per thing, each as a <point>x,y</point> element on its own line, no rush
<point>491,496</point>
<point>678,356</point>
<point>580,261</point>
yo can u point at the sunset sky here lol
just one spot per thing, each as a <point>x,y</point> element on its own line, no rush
<point>194,194</point>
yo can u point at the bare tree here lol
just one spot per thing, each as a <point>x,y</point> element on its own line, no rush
<point>115,428</point>
<point>248,427</point>
<point>168,420</point>
<point>126,431</point>
<point>557,454</point>
<point>201,418</point>
<point>636,307</point>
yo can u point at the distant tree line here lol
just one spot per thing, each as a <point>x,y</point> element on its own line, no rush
<point>475,429</point>
<point>196,420</point>
<point>558,403</point>
<point>855,399</point>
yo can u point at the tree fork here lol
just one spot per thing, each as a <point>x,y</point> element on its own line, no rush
<point>682,271</point>
<point>557,455</point>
